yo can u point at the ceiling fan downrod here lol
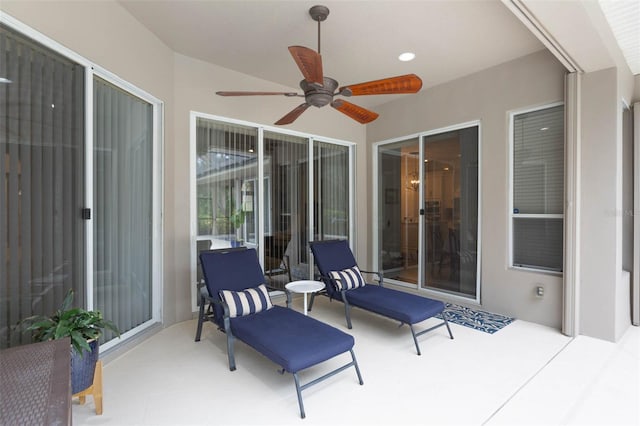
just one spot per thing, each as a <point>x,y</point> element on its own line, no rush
<point>319,13</point>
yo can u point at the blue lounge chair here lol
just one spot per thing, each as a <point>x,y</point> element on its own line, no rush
<point>239,304</point>
<point>344,282</point>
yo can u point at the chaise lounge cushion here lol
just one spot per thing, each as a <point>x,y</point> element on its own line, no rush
<point>290,339</point>
<point>395,304</point>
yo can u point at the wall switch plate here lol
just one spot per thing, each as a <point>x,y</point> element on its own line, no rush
<point>539,291</point>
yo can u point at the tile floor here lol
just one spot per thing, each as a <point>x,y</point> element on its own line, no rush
<point>523,374</point>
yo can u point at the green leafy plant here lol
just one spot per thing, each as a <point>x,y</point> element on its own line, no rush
<point>77,323</point>
<point>236,218</point>
<point>229,218</point>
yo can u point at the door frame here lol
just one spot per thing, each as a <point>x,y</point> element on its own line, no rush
<point>91,69</point>
<point>421,244</point>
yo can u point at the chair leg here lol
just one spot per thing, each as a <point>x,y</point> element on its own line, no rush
<point>200,319</point>
<point>355,364</point>
<point>347,310</point>
<point>444,317</point>
<point>415,340</point>
<point>230,353</point>
<point>299,392</point>
<point>230,342</point>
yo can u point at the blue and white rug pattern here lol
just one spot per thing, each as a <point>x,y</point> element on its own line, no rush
<point>478,320</point>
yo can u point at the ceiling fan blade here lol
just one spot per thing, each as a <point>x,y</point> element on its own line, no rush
<point>409,83</point>
<point>310,63</point>
<point>356,112</point>
<point>291,116</point>
<point>256,93</point>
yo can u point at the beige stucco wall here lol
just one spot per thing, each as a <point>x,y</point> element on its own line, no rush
<point>489,96</point>
<point>601,204</point>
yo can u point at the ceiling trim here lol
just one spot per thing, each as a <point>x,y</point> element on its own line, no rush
<point>521,11</point>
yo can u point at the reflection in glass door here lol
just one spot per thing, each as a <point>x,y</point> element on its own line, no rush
<point>450,191</point>
<point>285,160</point>
<point>399,201</point>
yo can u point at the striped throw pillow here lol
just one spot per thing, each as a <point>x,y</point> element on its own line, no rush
<point>348,278</point>
<point>247,302</point>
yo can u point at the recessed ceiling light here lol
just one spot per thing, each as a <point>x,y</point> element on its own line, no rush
<point>407,56</point>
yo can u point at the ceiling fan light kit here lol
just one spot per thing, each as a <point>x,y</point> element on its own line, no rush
<point>320,90</point>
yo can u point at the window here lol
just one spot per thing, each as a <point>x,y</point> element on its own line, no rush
<point>537,208</point>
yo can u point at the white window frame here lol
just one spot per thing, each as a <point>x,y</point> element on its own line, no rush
<point>510,213</point>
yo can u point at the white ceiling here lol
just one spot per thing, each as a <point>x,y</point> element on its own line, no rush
<point>360,40</point>
<point>624,18</point>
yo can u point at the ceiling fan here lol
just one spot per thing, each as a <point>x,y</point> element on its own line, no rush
<point>320,90</point>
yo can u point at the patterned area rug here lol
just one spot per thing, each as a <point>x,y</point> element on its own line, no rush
<point>478,320</point>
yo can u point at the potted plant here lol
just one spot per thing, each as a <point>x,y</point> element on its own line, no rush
<point>236,219</point>
<point>83,328</point>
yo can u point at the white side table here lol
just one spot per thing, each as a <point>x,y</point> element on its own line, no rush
<point>305,287</point>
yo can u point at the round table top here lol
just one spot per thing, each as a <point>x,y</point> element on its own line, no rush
<point>304,286</point>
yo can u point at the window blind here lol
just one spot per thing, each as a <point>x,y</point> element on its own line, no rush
<point>331,191</point>
<point>537,243</point>
<point>226,173</point>
<point>41,185</point>
<point>285,168</point>
<point>123,159</point>
<point>538,158</point>
<point>538,189</point>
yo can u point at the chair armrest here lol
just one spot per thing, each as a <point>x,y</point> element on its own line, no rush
<point>205,297</point>
<point>379,274</point>
<point>270,287</point>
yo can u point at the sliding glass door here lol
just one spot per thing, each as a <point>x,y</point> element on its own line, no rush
<point>78,188</point>
<point>450,190</point>
<point>42,238</point>
<point>331,191</point>
<point>285,183</point>
<point>398,207</point>
<point>268,190</point>
<point>427,193</point>
<point>123,200</point>
<point>226,190</point>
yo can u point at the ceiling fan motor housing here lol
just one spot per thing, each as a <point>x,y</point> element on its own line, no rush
<point>319,96</point>
<point>319,12</point>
